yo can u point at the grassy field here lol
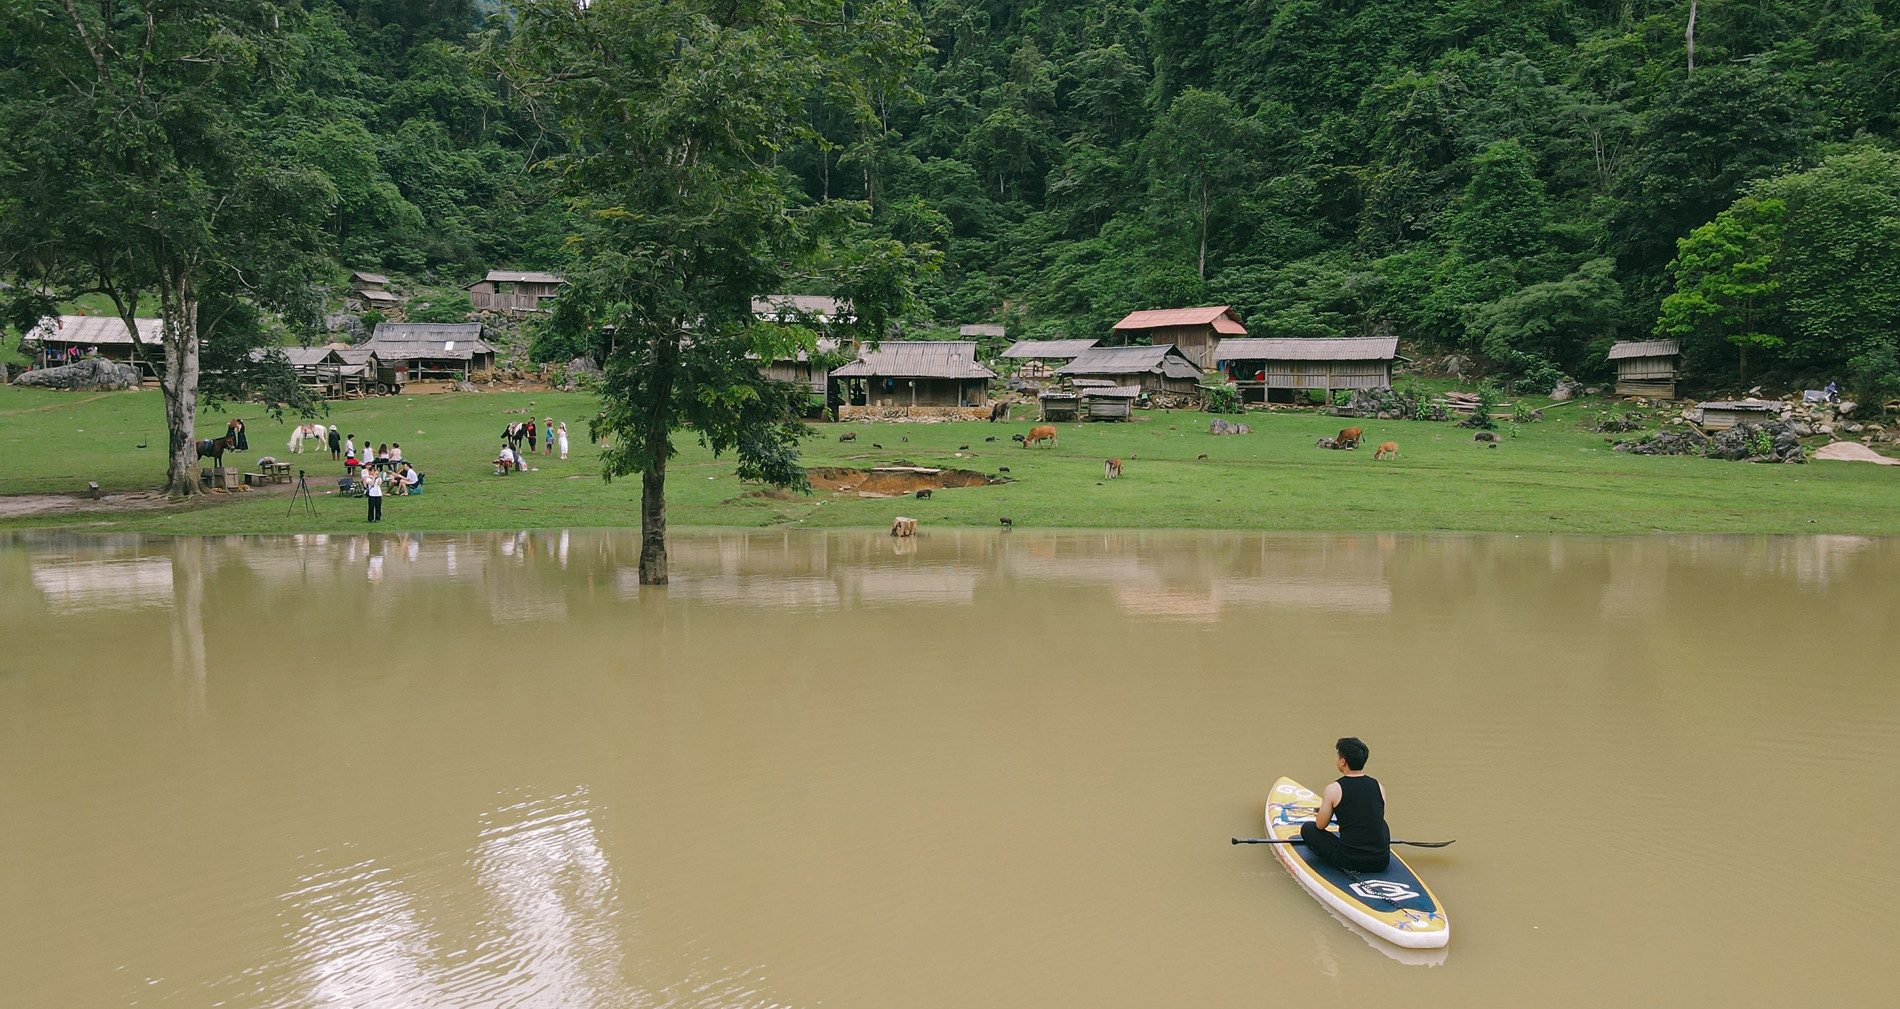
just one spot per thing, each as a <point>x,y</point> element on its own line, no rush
<point>1553,476</point>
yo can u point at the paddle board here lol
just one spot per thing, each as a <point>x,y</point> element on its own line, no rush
<point>1394,905</point>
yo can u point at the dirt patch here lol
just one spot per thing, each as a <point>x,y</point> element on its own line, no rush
<point>895,481</point>
<point>1847,451</point>
<point>19,505</point>
<point>769,494</point>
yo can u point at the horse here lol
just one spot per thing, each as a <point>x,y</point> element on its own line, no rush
<point>215,448</point>
<point>302,431</point>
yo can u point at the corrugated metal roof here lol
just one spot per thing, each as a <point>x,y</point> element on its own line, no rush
<point>368,278</point>
<point>981,329</point>
<point>1047,350</point>
<point>408,332</point>
<point>305,357</point>
<point>790,307</point>
<point>1113,392</point>
<point>1761,405</point>
<point>94,329</point>
<point>408,341</point>
<point>1358,348</point>
<point>1644,348</point>
<point>521,277</point>
<point>1165,359</point>
<point>354,355</point>
<point>916,359</point>
<point>1221,317</point>
<point>377,297</point>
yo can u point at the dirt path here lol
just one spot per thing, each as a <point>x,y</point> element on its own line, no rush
<point>21,505</point>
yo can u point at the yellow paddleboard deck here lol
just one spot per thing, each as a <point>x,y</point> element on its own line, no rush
<point>1394,905</point>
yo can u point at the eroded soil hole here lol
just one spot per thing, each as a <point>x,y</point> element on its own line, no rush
<point>895,481</point>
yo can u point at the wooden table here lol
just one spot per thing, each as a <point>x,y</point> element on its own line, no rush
<point>278,472</point>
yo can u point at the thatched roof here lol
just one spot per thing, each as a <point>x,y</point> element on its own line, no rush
<point>1047,350</point>
<point>1362,348</point>
<point>409,341</point>
<point>1164,359</point>
<point>94,329</point>
<point>1644,348</point>
<point>916,359</point>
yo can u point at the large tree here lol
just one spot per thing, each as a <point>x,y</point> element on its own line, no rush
<point>674,113</point>
<point>142,163</point>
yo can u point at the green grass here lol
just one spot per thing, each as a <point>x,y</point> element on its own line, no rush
<point>1552,477</point>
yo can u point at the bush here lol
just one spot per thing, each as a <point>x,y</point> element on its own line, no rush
<point>1488,399</point>
<point>1224,399</point>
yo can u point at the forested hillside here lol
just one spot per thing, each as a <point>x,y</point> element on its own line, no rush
<point>1503,179</point>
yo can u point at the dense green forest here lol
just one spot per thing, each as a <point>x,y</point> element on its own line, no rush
<point>1509,181</point>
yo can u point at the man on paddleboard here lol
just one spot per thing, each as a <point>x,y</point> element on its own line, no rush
<point>1357,801</point>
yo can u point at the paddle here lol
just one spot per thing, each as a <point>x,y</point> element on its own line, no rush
<point>1295,840</point>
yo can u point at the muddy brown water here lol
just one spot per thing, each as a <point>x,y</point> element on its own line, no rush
<point>970,769</point>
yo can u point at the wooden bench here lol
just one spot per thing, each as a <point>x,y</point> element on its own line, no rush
<point>255,479</point>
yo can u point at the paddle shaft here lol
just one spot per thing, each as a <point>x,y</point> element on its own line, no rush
<point>1296,840</point>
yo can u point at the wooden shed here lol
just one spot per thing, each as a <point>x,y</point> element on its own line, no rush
<point>67,338</point>
<point>904,378</point>
<point>1159,368</point>
<point>1041,358</point>
<point>514,290</point>
<point>801,369</point>
<point>1646,368</point>
<point>1720,415</point>
<point>1111,402</point>
<point>1272,369</point>
<point>432,350</point>
<point>370,291</point>
<point>1195,331</point>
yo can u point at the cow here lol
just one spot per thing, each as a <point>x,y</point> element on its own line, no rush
<point>1349,438</point>
<point>902,526</point>
<point>1046,432</point>
<point>1111,468</point>
<point>1389,450</point>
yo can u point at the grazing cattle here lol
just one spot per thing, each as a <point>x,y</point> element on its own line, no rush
<point>1111,468</point>
<point>1349,438</point>
<point>1046,432</point>
<point>901,526</point>
<point>1490,436</point>
<point>926,492</point>
<point>999,410</point>
<point>1389,450</point>
<point>848,436</point>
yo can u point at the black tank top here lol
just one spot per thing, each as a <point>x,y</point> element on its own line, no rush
<point>1361,818</point>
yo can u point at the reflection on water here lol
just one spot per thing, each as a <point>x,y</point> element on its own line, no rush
<point>970,768</point>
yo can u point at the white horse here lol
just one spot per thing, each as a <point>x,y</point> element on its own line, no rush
<point>302,431</point>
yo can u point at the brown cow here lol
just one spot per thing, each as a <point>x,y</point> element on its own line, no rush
<point>1389,450</point>
<point>903,526</point>
<point>1036,434</point>
<point>1111,468</point>
<point>1349,438</point>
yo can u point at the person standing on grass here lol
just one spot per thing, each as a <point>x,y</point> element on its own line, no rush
<point>531,435</point>
<point>563,437</point>
<point>547,425</point>
<point>373,481</point>
<point>336,443</point>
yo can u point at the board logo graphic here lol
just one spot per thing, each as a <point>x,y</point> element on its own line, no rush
<point>1383,889</point>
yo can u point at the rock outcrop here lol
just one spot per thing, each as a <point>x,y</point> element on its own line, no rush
<point>83,375</point>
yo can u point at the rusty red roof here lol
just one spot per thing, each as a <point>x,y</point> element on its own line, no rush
<point>1221,317</point>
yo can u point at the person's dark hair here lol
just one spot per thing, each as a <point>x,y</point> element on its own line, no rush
<point>1354,751</point>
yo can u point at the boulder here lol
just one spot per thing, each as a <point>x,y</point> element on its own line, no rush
<point>1219,426</point>
<point>87,373</point>
<point>1564,390</point>
<point>1847,407</point>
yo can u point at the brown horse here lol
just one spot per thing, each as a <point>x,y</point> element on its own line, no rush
<point>215,448</point>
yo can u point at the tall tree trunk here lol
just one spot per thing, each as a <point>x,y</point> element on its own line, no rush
<point>179,308</point>
<point>653,514</point>
<point>1689,37</point>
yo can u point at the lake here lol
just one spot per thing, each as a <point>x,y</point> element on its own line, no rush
<point>970,769</point>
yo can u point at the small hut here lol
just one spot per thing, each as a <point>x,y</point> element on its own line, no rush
<point>514,290</point>
<point>1272,370</point>
<point>1646,368</point>
<point>1040,358</point>
<point>68,338</point>
<point>800,369</point>
<point>432,350</point>
<point>792,309</point>
<point>1720,415</point>
<point>1195,331</point>
<point>370,291</point>
<point>1160,368</point>
<point>1110,402</point>
<point>914,378</point>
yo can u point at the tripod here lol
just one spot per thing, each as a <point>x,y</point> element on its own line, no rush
<point>302,493</point>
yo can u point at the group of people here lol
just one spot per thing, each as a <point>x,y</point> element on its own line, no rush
<point>384,471</point>
<point>511,456</point>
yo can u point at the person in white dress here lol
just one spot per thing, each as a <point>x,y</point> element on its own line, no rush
<point>561,432</point>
